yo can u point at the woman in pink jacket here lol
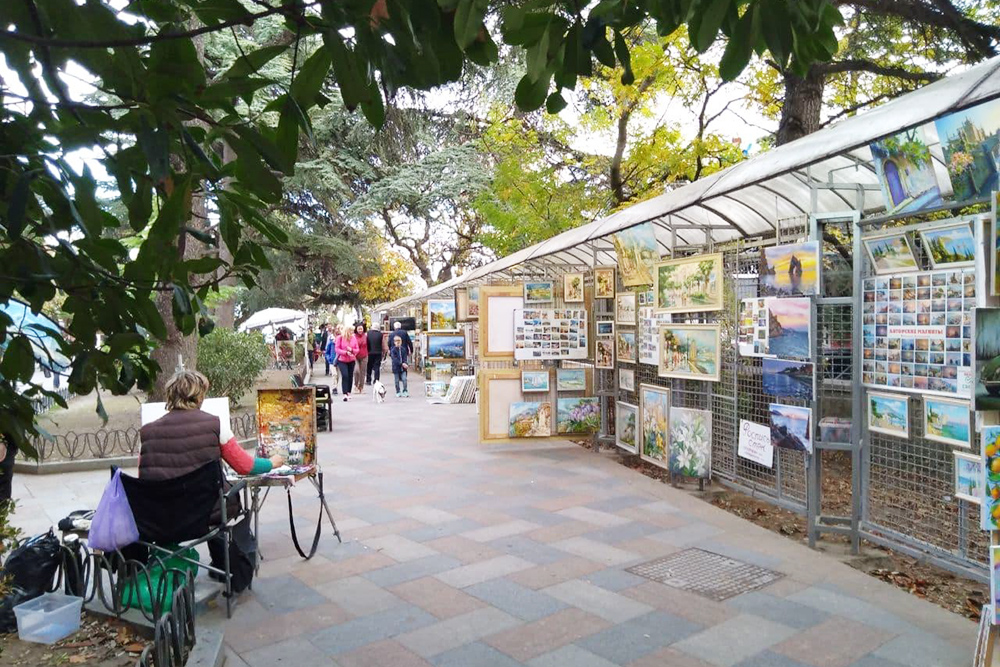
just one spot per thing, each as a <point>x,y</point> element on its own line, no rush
<point>346,349</point>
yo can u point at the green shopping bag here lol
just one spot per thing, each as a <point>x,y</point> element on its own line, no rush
<point>144,591</point>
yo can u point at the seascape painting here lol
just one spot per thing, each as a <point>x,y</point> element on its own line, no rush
<point>905,172</point>
<point>950,247</point>
<point>788,332</point>
<point>626,346</point>
<point>968,477</point>
<point>691,442</point>
<point>654,417</point>
<point>542,291</point>
<point>890,254</point>
<point>605,327</point>
<point>692,284</point>
<point>573,287</point>
<point>990,493</point>
<point>604,282</point>
<point>792,379</point>
<point>790,270</point>
<point>578,415</point>
<point>532,381</point>
<point>571,379</point>
<point>987,341</point>
<point>637,252</point>
<point>442,315</point>
<point>626,427</point>
<point>970,140</point>
<point>791,427</point>
<point>445,346</point>
<point>947,420</point>
<point>625,312</point>
<point>689,351</point>
<point>530,420</point>
<point>889,414</point>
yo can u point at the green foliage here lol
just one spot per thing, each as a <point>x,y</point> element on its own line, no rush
<point>232,361</point>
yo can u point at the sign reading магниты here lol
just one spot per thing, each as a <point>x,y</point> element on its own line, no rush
<point>755,443</point>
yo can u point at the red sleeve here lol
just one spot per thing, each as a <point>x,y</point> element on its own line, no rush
<point>236,457</point>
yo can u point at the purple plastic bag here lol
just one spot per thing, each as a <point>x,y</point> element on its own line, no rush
<point>113,526</point>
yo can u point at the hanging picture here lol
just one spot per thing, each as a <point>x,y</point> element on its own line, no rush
<point>691,442</point>
<point>889,414</point>
<point>604,352</point>
<point>990,494</point>
<point>530,420</point>
<point>751,336</point>
<point>994,605</point>
<point>578,415</point>
<point>791,427</point>
<point>987,358</point>
<point>890,254</point>
<point>626,379</point>
<point>905,172</point>
<point>626,346</point>
<point>442,315</point>
<point>573,287</point>
<point>473,303</point>
<point>788,328</point>
<point>571,379</point>
<point>532,381</point>
<point>995,245</point>
<point>637,252</point>
<point>688,285</point>
<point>969,142</point>
<point>689,351</point>
<point>626,427</point>
<point>948,420</point>
<point>539,291</point>
<point>644,298</point>
<point>550,333</point>
<point>950,247</point>
<point>647,335</point>
<point>654,417</point>
<point>968,477</point>
<point>790,270</point>
<point>605,327</point>
<point>625,308</point>
<point>791,379</point>
<point>446,347</point>
<point>286,423</point>
<point>604,282</point>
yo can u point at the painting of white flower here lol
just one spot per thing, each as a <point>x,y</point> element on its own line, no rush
<point>690,442</point>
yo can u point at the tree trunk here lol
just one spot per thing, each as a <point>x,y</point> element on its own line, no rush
<point>800,114</point>
<point>225,311</point>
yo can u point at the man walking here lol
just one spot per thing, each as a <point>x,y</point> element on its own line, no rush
<point>324,339</point>
<point>376,352</point>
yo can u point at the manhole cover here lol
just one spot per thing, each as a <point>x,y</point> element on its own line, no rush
<point>708,574</point>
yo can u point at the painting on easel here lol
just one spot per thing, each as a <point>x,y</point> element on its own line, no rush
<point>286,424</point>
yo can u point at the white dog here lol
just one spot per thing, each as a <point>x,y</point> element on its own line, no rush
<point>378,391</point>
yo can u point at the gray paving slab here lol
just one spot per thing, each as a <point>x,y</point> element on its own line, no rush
<point>922,651</point>
<point>626,642</point>
<point>447,529</point>
<point>528,549</point>
<point>779,610</point>
<point>457,631</point>
<point>475,654</point>
<point>410,570</point>
<point>614,579</point>
<point>285,593</point>
<point>852,608</point>
<point>517,600</point>
<point>476,573</point>
<point>693,534</point>
<point>769,659</point>
<point>734,640</point>
<point>570,656</point>
<point>597,601</point>
<point>359,632</point>
<point>616,503</point>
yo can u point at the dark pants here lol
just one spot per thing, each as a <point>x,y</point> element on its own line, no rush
<point>7,470</point>
<point>400,377</point>
<point>346,369</point>
<point>374,367</point>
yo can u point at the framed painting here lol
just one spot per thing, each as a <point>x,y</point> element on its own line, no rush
<point>445,347</point>
<point>605,327</point>
<point>948,420</point>
<point>532,381</point>
<point>890,254</point>
<point>626,379</point>
<point>498,389</point>
<point>573,288</point>
<point>625,312</point>
<point>987,358</point>
<point>286,424</point>
<point>539,291</point>
<point>604,282</point>
<point>571,379</point>
<point>793,379</point>
<point>637,251</point>
<point>688,285</point>
<point>790,270</point>
<point>990,491</point>
<point>691,442</point>
<point>441,315</point>
<point>950,247</point>
<point>497,304</point>
<point>689,351</point>
<point>530,420</point>
<point>968,141</point>
<point>788,323</point>
<point>995,244</point>
<point>791,427</point>
<point>968,477</point>
<point>889,414</point>
<point>604,352</point>
<point>905,172</point>
<point>626,427</point>
<point>473,313</point>
<point>578,415</point>
<point>626,346</point>
<point>654,420</point>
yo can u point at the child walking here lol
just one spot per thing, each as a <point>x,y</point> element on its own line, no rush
<point>400,356</point>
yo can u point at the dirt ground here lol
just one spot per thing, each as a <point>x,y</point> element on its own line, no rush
<point>100,642</point>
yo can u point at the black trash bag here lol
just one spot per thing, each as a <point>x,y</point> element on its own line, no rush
<point>32,566</point>
<point>8,621</point>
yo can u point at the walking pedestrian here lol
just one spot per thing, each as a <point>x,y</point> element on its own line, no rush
<point>398,330</point>
<point>346,350</point>
<point>376,352</point>
<point>324,339</point>
<point>361,338</point>
<point>400,357</point>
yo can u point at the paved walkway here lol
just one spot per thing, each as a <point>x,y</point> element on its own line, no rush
<point>457,554</point>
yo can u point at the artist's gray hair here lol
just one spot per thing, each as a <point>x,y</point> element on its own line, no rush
<point>186,390</point>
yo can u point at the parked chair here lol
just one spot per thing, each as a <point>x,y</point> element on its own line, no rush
<point>324,408</point>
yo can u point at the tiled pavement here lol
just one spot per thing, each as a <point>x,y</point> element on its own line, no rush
<point>458,554</point>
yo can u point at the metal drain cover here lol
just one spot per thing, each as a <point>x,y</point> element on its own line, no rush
<point>708,574</point>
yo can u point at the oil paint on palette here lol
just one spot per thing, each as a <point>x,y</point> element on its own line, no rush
<point>687,285</point>
<point>626,427</point>
<point>969,142</point>
<point>890,254</point>
<point>968,477</point>
<point>286,418</point>
<point>532,381</point>
<point>442,315</point>
<point>987,339</point>
<point>578,415</point>
<point>790,270</point>
<point>889,414</point>
<point>654,418</point>
<point>950,247</point>
<point>948,420</point>
<point>792,379</point>
<point>990,457</point>
<point>691,442</point>
<point>530,420</point>
<point>637,252</point>
<point>791,427</point>
<point>905,172</point>
<point>573,287</point>
<point>604,282</point>
<point>571,379</point>
<point>689,351</point>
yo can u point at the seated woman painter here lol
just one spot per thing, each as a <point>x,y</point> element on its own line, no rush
<point>186,438</point>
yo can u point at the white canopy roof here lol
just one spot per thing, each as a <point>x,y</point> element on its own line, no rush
<point>271,319</point>
<point>754,197</point>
